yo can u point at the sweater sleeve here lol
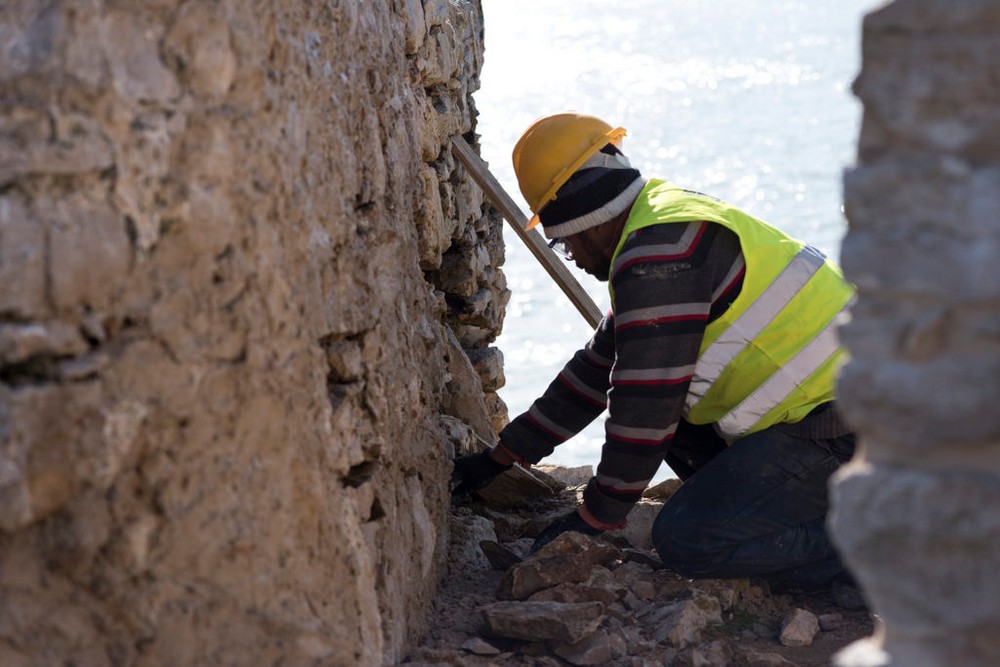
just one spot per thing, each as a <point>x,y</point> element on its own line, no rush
<point>573,400</point>
<point>669,281</point>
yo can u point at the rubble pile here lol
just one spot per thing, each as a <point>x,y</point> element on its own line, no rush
<point>607,600</point>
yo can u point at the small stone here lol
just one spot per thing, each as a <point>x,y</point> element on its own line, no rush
<point>715,654</point>
<point>539,621</point>
<point>575,593</point>
<point>500,557</point>
<point>663,490</point>
<point>568,559</point>
<point>640,524</point>
<point>755,658</point>
<point>828,622</point>
<point>569,476</point>
<point>595,649</point>
<point>799,628</point>
<point>516,487</point>
<point>680,624</point>
<point>480,647</point>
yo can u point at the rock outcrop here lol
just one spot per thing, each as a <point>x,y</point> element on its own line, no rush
<point>243,283</point>
<point>918,514</point>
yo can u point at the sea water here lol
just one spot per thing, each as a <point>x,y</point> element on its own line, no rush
<point>746,100</point>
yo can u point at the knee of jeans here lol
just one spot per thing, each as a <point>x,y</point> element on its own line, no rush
<point>683,550</point>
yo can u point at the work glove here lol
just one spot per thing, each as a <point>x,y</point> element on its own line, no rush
<point>473,472</point>
<point>571,522</point>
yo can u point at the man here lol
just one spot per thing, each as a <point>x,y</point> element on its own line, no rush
<point>719,356</point>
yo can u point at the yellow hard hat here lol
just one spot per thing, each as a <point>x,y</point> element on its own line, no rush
<point>552,149</point>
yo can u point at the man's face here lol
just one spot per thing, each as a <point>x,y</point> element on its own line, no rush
<point>587,251</point>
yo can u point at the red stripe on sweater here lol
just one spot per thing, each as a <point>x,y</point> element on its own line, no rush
<point>576,392</point>
<point>664,258</point>
<point>555,436</point>
<point>627,492</point>
<point>661,320</point>
<point>634,383</point>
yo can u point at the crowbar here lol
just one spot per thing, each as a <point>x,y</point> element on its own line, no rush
<point>480,173</point>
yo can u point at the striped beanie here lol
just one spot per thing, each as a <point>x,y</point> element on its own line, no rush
<point>603,187</point>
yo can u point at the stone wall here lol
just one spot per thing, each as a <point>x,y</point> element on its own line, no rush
<point>918,514</point>
<point>241,280</point>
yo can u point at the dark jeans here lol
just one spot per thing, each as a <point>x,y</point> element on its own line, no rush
<point>756,508</point>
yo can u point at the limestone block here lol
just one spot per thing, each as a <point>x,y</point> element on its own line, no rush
<point>22,260</point>
<point>949,547</point>
<point>915,15</point>
<point>714,654</point>
<point>132,47</point>
<point>433,232</point>
<point>141,169</point>
<point>54,142</point>
<point>757,658</point>
<point>680,624</point>
<point>934,92</point>
<point>442,120</point>
<point>893,196</point>
<point>439,60</point>
<point>345,360</point>
<point>890,401</point>
<point>488,362</point>
<point>52,442</point>
<point>639,528</point>
<point>466,532</point>
<point>518,487</point>
<point>568,559</point>
<point>464,392</point>
<point>199,44</point>
<point>459,437</point>
<point>575,476</point>
<point>798,628</point>
<point>576,593</point>
<point>497,408</point>
<point>536,621</point>
<point>911,273</point>
<point>414,24</point>
<point>531,576</point>
<point>662,491</point>
<point>479,646</point>
<point>20,342</point>
<point>595,649</point>
<point>460,272</point>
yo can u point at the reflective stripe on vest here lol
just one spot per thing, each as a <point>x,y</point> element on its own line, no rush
<point>777,388</point>
<point>753,320</point>
<point>773,355</point>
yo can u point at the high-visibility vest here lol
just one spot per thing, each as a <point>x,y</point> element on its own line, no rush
<point>773,355</point>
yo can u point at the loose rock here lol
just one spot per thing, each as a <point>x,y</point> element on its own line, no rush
<point>763,659</point>
<point>480,647</point>
<point>595,649</point>
<point>543,620</point>
<point>798,628</point>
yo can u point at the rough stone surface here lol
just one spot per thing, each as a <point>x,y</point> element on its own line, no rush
<point>559,621</point>
<point>647,614</point>
<point>239,268</point>
<point>916,514</point>
<point>798,628</point>
<point>574,476</point>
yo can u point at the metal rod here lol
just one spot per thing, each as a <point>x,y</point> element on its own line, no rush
<point>556,268</point>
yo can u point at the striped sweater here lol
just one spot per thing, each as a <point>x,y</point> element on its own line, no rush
<point>669,282</point>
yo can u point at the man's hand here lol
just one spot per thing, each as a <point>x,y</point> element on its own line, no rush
<point>473,472</point>
<point>571,522</point>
